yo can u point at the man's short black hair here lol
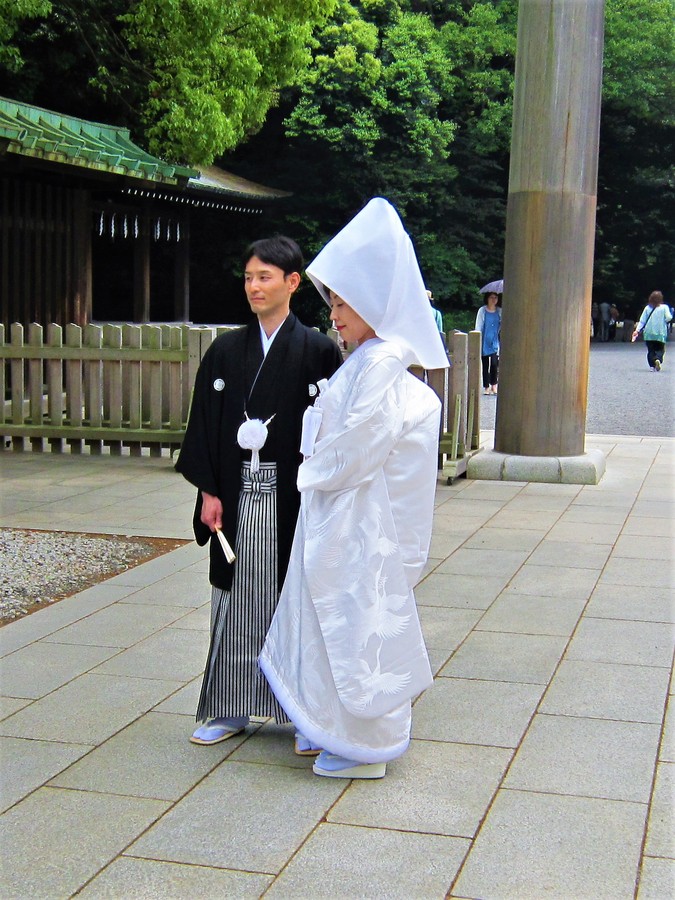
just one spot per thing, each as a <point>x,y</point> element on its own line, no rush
<point>280,251</point>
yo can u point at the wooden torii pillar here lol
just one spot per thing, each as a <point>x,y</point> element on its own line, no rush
<point>550,230</point>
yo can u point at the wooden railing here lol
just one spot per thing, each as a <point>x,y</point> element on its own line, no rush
<point>459,389</point>
<point>101,385</point>
<point>129,386</point>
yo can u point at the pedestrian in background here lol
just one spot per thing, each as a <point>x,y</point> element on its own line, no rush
<point>605,316</point>
<point>489,323</point>
<point>438,315</point>
<point>653,325</point>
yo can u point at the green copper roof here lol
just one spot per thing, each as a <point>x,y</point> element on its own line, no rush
<point>39,133</point>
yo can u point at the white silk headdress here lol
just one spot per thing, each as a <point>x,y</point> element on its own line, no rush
<point>372,265</point>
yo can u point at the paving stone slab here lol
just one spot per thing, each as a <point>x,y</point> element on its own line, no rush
<point>41,667</point>
<point>521,539</point>
<point>285,805</point>
<point>542,488</point>
<point>272,745</point>
<point>657,879</point>
<point>541,845</point>
<point>27,765</point>
<point>461,506</point>
<point>549,581</point>
<point>148,879</point>
<point>71,836</point>
<point>436,788</point>
<point>661,825</point>
<point>496,562</point>
<point>616,601</point>
<point>598,758</point>
<point>655,509</point>
<point>667,751</point>
<point>459,591</point>
<point>584,532</point>
<point>607,691</point>
<point>497,656</point>
<point>10,705</point>
<point>502,491</point>
<point>571,554</point>
<point>120,765</point>
<point>633,546</point>
<point>644,525</point>
<point>594,514</point>
<point>467,711</point>
<point>121,625</point>
<point>596,496</point>
<point>445,628</point>
<point>349,862</point>
<point>632,643</point>
<point>46,621</point>
<point>528,519</point>
<point>183,701</point>
<point>87,710</point>
<point>171,653</point>
<point>437,659</point>
<point>529,614</point>
<point>190,591</point>
<point>531,501</point>
<point>197,620</point>
<point>642,573</point>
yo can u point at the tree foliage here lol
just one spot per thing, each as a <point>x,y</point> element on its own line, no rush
<point>413,100</point>
<point>193,78</point>
<point>341,100</point>
<point>635,249</point>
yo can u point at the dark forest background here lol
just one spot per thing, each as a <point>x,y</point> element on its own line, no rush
<point>341,100</point>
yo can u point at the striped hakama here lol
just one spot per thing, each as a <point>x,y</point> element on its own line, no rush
<point>233,684</point>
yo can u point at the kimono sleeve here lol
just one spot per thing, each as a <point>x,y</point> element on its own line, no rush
<point>353,452</point>
<point>196,458</point>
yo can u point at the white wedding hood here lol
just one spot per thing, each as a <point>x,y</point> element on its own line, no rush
<point>372,265</point>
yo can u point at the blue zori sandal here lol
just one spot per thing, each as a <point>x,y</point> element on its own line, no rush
<point>216,730</point>
<point>331,766</point>
<point>304,747</point>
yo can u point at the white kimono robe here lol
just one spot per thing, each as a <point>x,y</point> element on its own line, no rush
<point>345,654</point>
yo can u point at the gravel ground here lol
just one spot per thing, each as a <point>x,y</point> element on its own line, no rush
<point>39,567</point>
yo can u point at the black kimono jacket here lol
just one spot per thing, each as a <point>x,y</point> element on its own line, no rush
<point>210,457</point>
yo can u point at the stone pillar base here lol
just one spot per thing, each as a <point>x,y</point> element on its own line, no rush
<point>488,465</point>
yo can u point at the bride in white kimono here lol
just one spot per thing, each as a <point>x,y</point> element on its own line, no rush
<point>345,654</point>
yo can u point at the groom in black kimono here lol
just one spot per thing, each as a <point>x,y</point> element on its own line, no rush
<point>267,371</point>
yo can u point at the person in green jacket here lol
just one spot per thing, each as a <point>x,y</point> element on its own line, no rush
<point>653,324</point>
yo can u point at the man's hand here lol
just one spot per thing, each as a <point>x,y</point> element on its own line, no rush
<point>212,511</point>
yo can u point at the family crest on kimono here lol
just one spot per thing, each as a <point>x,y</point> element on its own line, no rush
<point>345,655</point>
<point>241,452</point>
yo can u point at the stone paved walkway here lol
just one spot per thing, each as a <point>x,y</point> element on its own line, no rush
<point>543,758</point>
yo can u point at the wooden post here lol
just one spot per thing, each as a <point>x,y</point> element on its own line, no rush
<point>142,273</point>
<point>181,290</point>
<point>550,229</point>
<point>82,256</point>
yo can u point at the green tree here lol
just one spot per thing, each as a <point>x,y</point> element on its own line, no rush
<point>192,78</point>
<point>12,14</point>
<point>411,101</point>
<point>635,249</point>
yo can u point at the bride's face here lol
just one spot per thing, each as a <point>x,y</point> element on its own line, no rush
<point>348,323</point>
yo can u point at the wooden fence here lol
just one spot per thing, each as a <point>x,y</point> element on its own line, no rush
<point>129,386</point>
<point>101,385</point>
<point>459,389</point>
